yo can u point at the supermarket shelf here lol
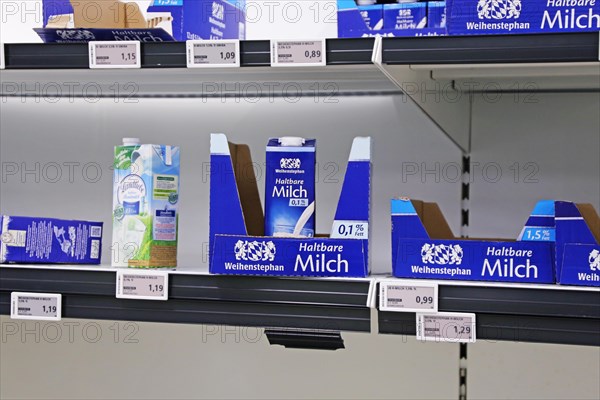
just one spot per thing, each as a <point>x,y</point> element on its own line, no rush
<point>313,312</point>
<point>513,312</point>
<point>492,49</point>
<point>441,75</point>
<point>254,53</point>
<point>301,304</point>
<point>252,83</point>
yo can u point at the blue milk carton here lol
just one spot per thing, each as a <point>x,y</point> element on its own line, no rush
<point>145,205</point>
<point>436,14</point>
<point>290,187</point>
<point>49,241</point>
<point>405,16</point>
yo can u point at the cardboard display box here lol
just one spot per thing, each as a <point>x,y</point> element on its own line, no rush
<point>577,244</point>
<point>559,242</point>
<point>423,246</point>
<point>237,245</point>
<point>481,17</point>
<point>143,20</point>
<point>32,240</point>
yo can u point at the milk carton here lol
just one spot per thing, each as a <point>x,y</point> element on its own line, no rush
<point>49,240</point>
<point>290,187</point>
<point>145,202</point>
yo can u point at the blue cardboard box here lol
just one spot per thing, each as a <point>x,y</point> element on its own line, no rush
<point>577,244</point>
<point>49,241</point>
<point>423,246</point>
<point>143,20</point>
<point>237,243</point>
<point>87,20</point>
<point>357,21</point>
<point>479,17</point>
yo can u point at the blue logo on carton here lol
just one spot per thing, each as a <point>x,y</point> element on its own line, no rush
<point>499,9</point>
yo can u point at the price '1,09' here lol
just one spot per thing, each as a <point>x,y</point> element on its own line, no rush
<point>227,55</point>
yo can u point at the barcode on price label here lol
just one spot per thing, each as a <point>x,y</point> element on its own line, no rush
<point>142,285</point>
<point>403,296</point>
<point>37,306</point>
<point>122,54</point>
<point>298,53</point>
<point>213,53</point>
<point>446,327</point>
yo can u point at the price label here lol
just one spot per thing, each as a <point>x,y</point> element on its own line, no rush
<point>350,230</point>
<point>38,306</point>
<point>2,62</point>
<point>298,53</point>
<point>408,297</point>
<point>213,53</point>
<point>122,54</point>
<point>142,285</point>
<point>446,327</point>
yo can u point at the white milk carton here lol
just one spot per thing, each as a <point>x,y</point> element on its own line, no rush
<point>145,202</point>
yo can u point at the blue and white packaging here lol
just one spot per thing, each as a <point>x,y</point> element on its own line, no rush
<point>423,246</point>
<point>478,17</point>
<point>290,187</point>
<point>436,14</point>
<point>356,20</point>
<point>577,244</point>
<point>372,15</point>
<point>214,19</point>
<point>238,245</point>
<point>27,240</point>
<point>87,20</point>
<point>142,20</point>
<point>404,16</point>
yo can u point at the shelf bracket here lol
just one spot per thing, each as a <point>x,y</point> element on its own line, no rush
<point>306,339</point>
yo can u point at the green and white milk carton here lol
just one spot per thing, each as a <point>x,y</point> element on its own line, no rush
<point>145,202</point>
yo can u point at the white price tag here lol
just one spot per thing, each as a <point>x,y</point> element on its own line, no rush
<point>350,230</point>
<point>213,53</point>
<point>298,53</point>
<point>2,62</point>
<point>446,327</point>
<point>122,54</point>
<point>38,306</point>
<point>402,296</point>
<point>142,285</point>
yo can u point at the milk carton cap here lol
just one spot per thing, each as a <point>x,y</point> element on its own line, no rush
<point>131,141</point>
<point>291,141</point>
